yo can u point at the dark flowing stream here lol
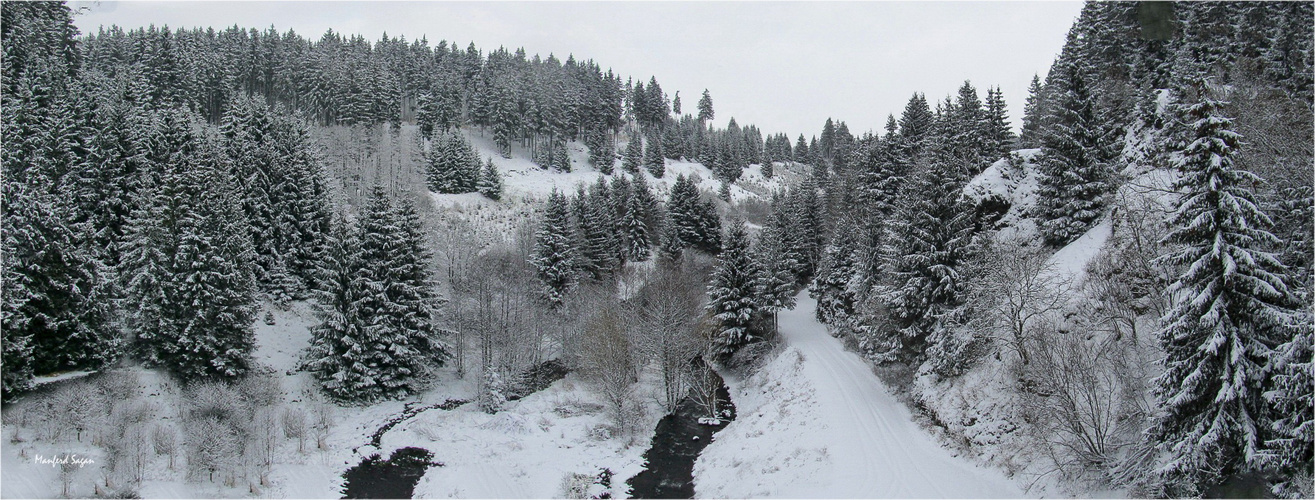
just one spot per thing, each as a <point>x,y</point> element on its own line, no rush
<point>669,463</point>
<point>392,478</point>
<point>397,476</point>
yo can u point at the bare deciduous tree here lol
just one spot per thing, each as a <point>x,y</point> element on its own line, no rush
<point>1075,393</point>
<point>294,426</point>
<point>666,309</point>
<point>607,359</point>
<point>1016,287</point>
<point>165,441</point>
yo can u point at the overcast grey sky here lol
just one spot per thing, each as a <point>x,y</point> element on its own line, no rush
<point>785,66</point>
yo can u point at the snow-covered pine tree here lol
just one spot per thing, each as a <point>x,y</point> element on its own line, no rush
<point>1028,136</point>
<point>776,282</point>
<point>490,182</point>
<point>1231,307</point>
<point>596,233</point>
<point>189,262</point>
<point>302,207</point>
<point>1000,138</point>
<point>695,221</point>
<point>634,155</point>
<point>601,154</point>
<point>634,231</point>
<point>927,242</point>
<point>57,305</point>
<point>705,107</point>
<point>733,295</point>
<point>252,160</point>
<point>338,355</point>
<point>1292,432</point>
<point>555,256</point>
<point>1075,171</point>
<point>453,165</point>
<point>398,300</point>
<point>915,125</point>
<point>836,300</point>
<point>654,158</point>
<point>561,160</point>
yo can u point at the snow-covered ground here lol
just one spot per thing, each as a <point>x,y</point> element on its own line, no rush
<point>815,421</point>
<point>524,451</point>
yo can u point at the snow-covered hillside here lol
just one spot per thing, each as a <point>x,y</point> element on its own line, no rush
<point>524,179</point>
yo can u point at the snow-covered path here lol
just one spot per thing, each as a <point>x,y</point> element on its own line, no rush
<point>824,425</point>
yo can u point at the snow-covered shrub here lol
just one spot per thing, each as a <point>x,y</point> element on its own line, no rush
<point>575,485</point>
<point>509,424</point>
<point>261,388</point>
<point>212,447</point>
<point>217,400</point>
<point>492,392</point>
<point>753,356</point>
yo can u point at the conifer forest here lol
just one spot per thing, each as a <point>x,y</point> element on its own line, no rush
<point>243,261</point>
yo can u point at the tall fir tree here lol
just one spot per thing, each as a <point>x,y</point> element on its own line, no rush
<point>634,155</point>
<point>1033,112</point>
<point>490,182</point>
<point>1075,169</point>
<point>555,256</point>
<point>1230,308</point>
<point>398,299</point>
<point>654,158</point>
<point>733,296</point>
<point>338,353</point>
<point>705,107</point>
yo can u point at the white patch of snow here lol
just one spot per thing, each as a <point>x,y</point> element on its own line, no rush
<point>815,421</point>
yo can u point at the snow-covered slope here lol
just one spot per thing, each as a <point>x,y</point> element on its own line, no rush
<point>816,422</point>
<point>523,179</point>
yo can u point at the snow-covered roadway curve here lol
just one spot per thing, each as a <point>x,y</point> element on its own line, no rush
<point>819,423</point>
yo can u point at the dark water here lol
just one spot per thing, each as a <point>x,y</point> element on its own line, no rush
<point>392,478</point>
<point>669,464</point>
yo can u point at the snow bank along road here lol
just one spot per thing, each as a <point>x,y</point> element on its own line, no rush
<point>819,420</point>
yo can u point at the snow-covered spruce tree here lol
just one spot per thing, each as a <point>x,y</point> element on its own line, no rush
<point>836,299</point>
<point>595,234</point>
<point>492,391</point>
<point>998,134</point>
<point>601,154</point>
<point>189,266</point>
<point>1230,307</point>
<point>1293,429</point>
<point>1075,170</point>
<point>695,220</point>
<point>654,158</point>
<point>634,155</point>
<point>705,107</point>
<point>302,202</point>
<point>398,301</point>
<point>560,158</point>
<point>1032,113</point>
<point>56,303</point>
<point>338,350</point>
<point>253,161</point>
<point>555,256</point>
<point>634,230</point>
<point>453,165</point>
<point>926,243</point>
<point>733,295</point>
<point>776,282</point>
<point>490,182</point>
